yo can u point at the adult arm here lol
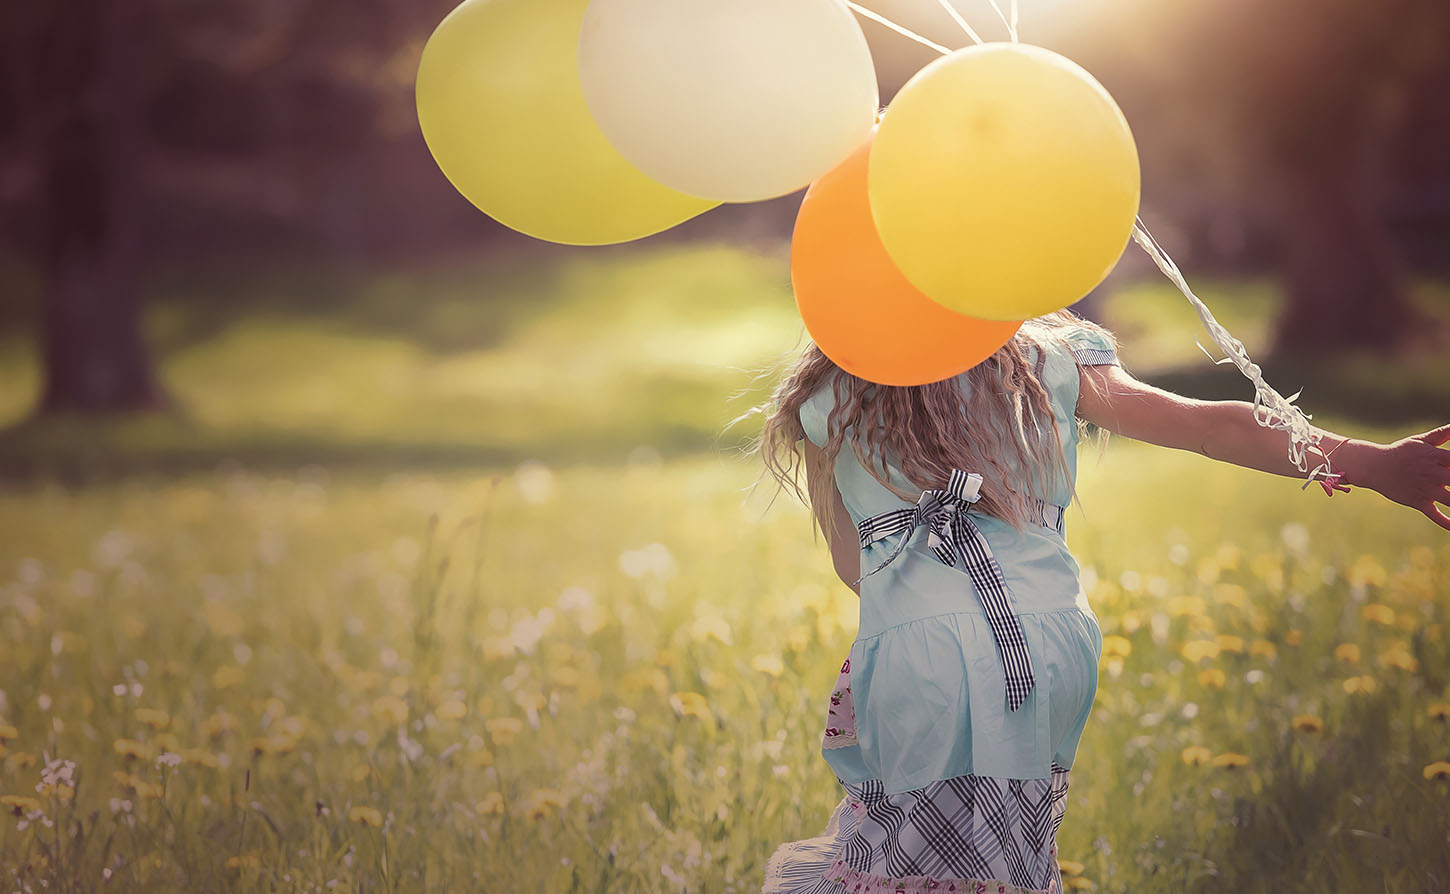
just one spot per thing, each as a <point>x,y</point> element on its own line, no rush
<point>1411,471</point>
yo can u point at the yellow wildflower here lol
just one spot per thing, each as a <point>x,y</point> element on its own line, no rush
<point>1308,723</point>
<point>798,638</point>
<point>1439,711</point>
<point>199,757</point>
<point>1195,755</point>
<point>243,861</point>
<point>770,665</point>
<point>1294,637</point>
<point>19,804</point>
<point>390,710</point>
<point>1230,594</point>
<point>360,772</point>
<point>1379,613</point>
<point>1438,770</point>
<point>132,749</point>
<point>1077,883</point>
<point>1263,648</point>
<point>1200,650</point>
<point>539,803</point>
<point>1400,659</point>
<point>503,729</point>
<point>564,676</point>
<point>691,704</point>
<point>1347,652</point>
<point>711,627</point>
<point>140,786</point>
<point>8,732</point>
<point>219,723</point>
<point>452,709</point>
<point>491,803</point>
<point>666,658</point>
<point>1071,867</point>
<point>1227,642</point>
<point>530,699</point>
<point>482,757</point>
<point>1230,761</point>
<point>366,816</point>
<point>1365,684</point>
<point>227,676</point>
<point>1186,605</point>
<point>1117,646</point>
<point>1212,677</point>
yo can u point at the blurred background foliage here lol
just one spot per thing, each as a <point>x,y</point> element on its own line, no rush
<point>175,173</point>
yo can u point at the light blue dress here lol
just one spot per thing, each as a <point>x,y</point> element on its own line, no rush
<point>925,676</point>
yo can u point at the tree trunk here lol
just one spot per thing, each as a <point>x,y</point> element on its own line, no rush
<point>90,144</point>
<point>1343,280</point>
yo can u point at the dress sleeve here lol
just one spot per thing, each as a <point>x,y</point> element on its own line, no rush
<point>1090,348</point>
<point>813,420</point>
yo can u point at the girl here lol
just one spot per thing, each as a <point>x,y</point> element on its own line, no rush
<point>956,717</point>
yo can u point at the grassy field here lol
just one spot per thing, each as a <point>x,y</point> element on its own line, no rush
<point>454,600</point>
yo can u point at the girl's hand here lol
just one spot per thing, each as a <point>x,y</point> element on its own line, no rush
<point>1415,472</point>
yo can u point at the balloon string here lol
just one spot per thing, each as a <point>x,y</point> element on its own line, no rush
<point>961,22</point>
<point>1011,23</point>
<point>1271,409</point>
<point>904,32</point>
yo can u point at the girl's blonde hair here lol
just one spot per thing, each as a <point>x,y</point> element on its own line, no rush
<point>928,430</point>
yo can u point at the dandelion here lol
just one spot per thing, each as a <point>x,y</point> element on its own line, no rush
<point>1294,637</point>
<point>503,730</point>
<point>1230,761</point>
<point>8,732</point>
<point>1365,684</point>
<point>452,709</point>
<point>219,724</point>
<point>1117,646</point>
<point>199,757</point>
<point>390,709</point>
<point>19,804</point>
<point>360,773</point>
<point>1308,723</point>
<point>564,677</point>
<point>770,665</point>
<point>227,676</point>
<point>541,802</point>
<point>530,700</point>
<point>1347,652</point>
<point>691,704</point>
<point>1262,648</point>
<point>1212,677</point>
<point>153,717</point>
<point>1077,883</point>
<point>492,803</point>
<point>1438,771</point>
<point>243,861</point>
<point>711,627</point>
<point>141,787</point>
<point>1199,650</point>
<point>1378,613</point>
<point>365,816</point>
<point>1439,711</point>
<point>1227,642</point>
<point>1196,755</point>
<point>131,749</point>
<point>1399,658</point>
<point>1182,606</point>
<point>1071,867</point>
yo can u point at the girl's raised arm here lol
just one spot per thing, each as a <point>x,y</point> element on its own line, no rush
<point>1412,471</point>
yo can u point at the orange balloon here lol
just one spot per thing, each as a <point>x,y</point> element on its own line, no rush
<point>860,310</point>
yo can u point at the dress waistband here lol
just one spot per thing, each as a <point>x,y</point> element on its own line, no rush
<point>954,536</point>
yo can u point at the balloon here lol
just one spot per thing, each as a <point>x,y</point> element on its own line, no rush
<point>1004,181</point>
<point>502,112</point>
<point>859,309</point>
<point>733,100</point>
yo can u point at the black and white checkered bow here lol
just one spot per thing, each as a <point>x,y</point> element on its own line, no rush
<point>953,535</point>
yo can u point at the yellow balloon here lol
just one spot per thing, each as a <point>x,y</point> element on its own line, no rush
<point>1004,181</point>
<point>502,111</point>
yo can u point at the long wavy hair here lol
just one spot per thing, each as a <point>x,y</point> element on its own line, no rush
<point>1003,414</point>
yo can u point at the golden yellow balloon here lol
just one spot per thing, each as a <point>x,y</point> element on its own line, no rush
<point>502,111</point>
<point>1004,181</point>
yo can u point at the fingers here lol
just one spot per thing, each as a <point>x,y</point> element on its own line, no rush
<point>1436,515</point>
<point>1435,436</point>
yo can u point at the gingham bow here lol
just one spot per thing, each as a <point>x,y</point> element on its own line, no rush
<point>953,535</point>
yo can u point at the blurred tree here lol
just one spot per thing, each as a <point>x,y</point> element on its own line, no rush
<point>1316,92</point>
<point>77,71</point>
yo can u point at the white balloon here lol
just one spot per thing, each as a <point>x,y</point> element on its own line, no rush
<point>730,100</point>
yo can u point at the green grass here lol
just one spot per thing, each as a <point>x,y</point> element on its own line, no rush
<point>346,579</point>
